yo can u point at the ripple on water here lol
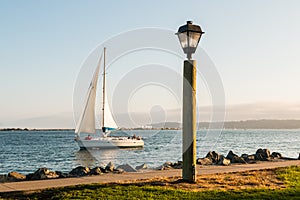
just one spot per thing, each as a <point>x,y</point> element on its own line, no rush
<point>25,151</point>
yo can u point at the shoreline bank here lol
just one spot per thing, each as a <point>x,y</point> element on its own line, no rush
<point>130,177</point>
<point>211,159</point>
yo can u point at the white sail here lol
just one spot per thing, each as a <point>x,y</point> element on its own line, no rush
<point>108,118</point>
<point>86,122</point>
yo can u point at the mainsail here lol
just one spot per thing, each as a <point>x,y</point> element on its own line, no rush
<point>86,122</point>
<point>87,119</point>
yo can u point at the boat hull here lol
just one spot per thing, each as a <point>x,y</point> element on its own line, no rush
<point>109,143</point>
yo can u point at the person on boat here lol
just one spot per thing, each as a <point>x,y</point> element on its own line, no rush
<point>134,136</point>
<point>88,137</point>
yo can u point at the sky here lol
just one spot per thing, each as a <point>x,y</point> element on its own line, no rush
<point>254,45</point>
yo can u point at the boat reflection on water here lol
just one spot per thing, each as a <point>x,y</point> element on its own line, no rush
<point>99,157</point>
<point>85,158</point>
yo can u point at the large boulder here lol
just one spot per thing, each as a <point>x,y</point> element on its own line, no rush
<point>231,155</point>
<point>96,171</point>
<point>213,156</point>
<point>141,167</point>
<point>80,171</point>
<point>235,158</point>
<point>204,161</point>
<point>223,161</point>
<point>262,155</point>
<point>126,168</point>
<point>238,160</point>
<point>42,173</point>
<point>110,167</point>
<point>15,176</point>
<point>248,158</point>
<point>299,157</point>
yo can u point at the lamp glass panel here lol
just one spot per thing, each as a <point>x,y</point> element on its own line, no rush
<point>194,39</point>
<point>183,39</point>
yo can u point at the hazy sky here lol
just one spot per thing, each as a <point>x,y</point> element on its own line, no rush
<point>254,44</point>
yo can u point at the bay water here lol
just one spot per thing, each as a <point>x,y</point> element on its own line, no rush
<point>26,151</point>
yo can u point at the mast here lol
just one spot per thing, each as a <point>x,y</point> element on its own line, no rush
<point>103,89</point>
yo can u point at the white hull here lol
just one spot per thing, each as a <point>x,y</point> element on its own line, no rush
<point>110,142</point>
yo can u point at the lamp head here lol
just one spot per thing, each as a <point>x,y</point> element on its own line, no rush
<point>189,36</point>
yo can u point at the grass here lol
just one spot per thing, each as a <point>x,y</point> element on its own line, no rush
<point>290,176</point>
<point>289,188</point>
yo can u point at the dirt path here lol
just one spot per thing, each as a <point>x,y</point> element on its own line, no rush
<point>128,177</point>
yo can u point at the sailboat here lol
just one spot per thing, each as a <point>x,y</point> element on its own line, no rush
<point>86,124</point>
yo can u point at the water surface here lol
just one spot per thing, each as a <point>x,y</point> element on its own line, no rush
<point>26,151</point>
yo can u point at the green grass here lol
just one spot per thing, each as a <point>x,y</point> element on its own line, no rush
<point>290,175</point>
<point>156,193</point>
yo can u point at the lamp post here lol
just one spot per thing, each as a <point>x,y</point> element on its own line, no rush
<point>189,36</point>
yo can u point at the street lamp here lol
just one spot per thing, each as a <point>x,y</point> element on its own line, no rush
<point>189,36</point>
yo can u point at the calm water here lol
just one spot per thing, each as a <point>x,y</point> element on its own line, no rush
<point>25,151</point>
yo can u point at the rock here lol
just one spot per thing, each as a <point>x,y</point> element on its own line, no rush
<point>276,155</point>
<point>166,165</point>
<point>223,161</point>
<point>160,168</point>
<point>248,158</point>
<point>204,161</point>
<point>126,168</point>
<point>213,156</point>
<point>231,155</point>
<point>245,156</point>
<point>96,171</point>
<point>42,173</point>
<point>238,160</point>
<point>177,165</point>
<point>140,167</point>
<point>110,167</point>
<point>15,176</point>
<point>235,158</point>
<point>119,170</point>
<point>299,157</point>
<point>103,170</point>
<point>251,157</point>
<point>170,165</point>
<point>262,155</point>
<point>61,174</point>
<point>3,178</point>
<point>80,171</point>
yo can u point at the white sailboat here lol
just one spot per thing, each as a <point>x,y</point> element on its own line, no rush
<point>87,122</point>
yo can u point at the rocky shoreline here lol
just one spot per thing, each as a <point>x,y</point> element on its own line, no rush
<point>212,158</point>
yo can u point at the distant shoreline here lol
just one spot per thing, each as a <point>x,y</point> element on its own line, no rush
<point>36,129</point>
<point>246,124</point>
